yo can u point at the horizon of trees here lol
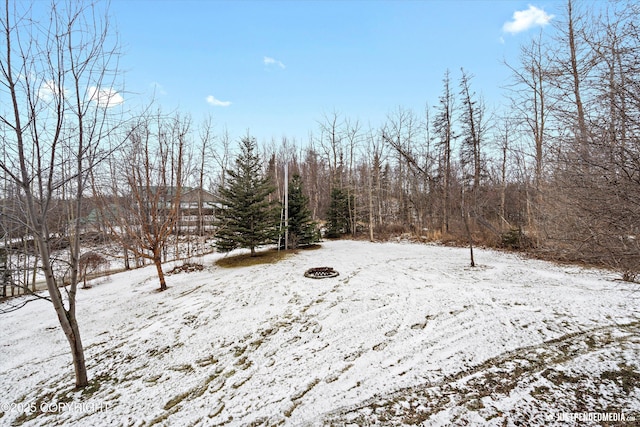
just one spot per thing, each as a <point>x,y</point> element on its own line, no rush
<point>546,174</point>
<point>577,105</point>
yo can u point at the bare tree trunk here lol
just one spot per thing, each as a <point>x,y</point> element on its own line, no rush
<point>371,215</point>
<point>465,219</point>
<point>157,261</point>
<point>575,74</point>
<point>34,272</point>
<point>127,266</point>
<point>503,185</point>
<point>504,136</point>
<point>352,131</point>
<point>205,138</point>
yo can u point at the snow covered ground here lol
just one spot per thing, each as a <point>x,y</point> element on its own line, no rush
<point>407,334</point>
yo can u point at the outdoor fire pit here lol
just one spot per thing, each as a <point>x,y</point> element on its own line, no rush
<point>320,273</point>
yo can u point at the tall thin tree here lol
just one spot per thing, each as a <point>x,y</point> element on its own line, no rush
<point>443,126</point>
<point>58,72</point>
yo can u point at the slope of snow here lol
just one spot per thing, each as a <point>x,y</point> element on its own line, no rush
<point>407,333</point>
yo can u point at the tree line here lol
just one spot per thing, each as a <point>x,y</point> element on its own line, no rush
<point>555,172</point>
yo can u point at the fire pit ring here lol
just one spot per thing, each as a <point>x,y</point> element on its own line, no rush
<point>320,273</point>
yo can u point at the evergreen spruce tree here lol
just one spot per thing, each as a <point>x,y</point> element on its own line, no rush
<point>302,229</point>
<point>246,218</point>
<point>338,214</point>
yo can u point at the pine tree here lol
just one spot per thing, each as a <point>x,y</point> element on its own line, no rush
<point>246,218</point>
<point>302,230</point>
<point>338,215</point>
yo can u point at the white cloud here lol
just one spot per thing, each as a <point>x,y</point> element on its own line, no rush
<point>524,20</point>
<point>49,89</point>
<point>211,100</point>
<point>104,97</point>
<point>268,61</point>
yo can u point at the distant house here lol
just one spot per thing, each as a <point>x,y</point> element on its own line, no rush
<point>197,210</point>
<point>192,197</point>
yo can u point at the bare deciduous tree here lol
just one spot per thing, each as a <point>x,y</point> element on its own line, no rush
<point>331,142</point>
<point>56,72</point>
<point>597,175</point>
<point>89,263</point>
<point>530,100</point>
<point>140,198</point>
<point>443,126</point>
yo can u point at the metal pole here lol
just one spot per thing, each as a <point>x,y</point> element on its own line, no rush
<point>286,206</point>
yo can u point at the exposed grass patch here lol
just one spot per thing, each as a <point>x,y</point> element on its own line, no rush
<point>270,256</point>
<point>175,400</point>
<point>626,378</point>
<point>182,368</point>
<point>194,393</point>
<point>206,361</point>
<point>311,247</point>
<point>95,384</point>
<point>239,350</point>
<point>153,379</point>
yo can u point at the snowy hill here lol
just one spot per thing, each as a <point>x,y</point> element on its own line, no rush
<point>406,334</point>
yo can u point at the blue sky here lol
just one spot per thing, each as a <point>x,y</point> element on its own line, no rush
<point>275,67</point>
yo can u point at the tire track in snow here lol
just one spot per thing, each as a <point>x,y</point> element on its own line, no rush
<point>495,378</point>
<point>298,329</point>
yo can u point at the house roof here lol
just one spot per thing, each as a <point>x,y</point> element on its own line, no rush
<point>192,195</point>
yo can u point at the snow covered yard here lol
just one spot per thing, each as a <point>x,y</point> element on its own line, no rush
<point>407,334</point>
